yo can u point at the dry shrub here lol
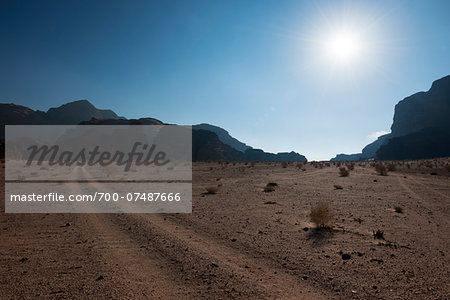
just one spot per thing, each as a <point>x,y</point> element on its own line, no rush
<point>351,167</point>
<point>272,184</point>
<point>299,165</point>
<point>253,163</point>
<point>269,189</point>
<point>447,167</point>
<point>212,190</point>
<point>391,167</point>
<point>321,215</point>
<point>343,172</point>
<point>381,169</point>
<point>379,234</point>
<point>284,164</point>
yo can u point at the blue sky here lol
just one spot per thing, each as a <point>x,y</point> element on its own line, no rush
<point>263,70</point>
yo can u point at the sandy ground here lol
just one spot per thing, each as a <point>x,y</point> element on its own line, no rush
<point>245,243</point>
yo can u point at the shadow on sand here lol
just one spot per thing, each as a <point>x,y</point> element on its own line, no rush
<point>320,235</point>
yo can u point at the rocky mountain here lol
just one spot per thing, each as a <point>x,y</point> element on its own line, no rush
<point>368,152</point>
<point>423,110</point>
<point>16,114</point>
<point>209,142</point>
<point>421,126</point>
<point>260,155</point>
<point>76,112</point>
<point>206,146</point>
<point>67,114</point>
<point>223,136</point>
<point>347,157</point>
<point>431,142</point>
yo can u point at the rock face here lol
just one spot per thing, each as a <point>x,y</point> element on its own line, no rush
<point>423,110</point>
<point>370,151</point>
<point>421,127</point>
<point>224,136</point>
<point>431,142</point>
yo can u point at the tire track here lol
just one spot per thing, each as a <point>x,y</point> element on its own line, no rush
<point>427,187</point>
<point>214,267</point>
<point>264,278</point>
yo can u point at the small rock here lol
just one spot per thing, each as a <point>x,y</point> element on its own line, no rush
<point>100,278</point>
<point>305,228</point>
<point>346,256</point>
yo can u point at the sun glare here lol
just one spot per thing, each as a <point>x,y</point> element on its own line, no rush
<point>343,47</point>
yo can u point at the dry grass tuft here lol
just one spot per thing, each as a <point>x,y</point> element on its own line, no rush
<point>269,189</point>
<point>343,172</point>
<point>284,164</point>
<point>212,190</point>
<point>321,215</point>
<point>381,169</point>
<point>391,167</point>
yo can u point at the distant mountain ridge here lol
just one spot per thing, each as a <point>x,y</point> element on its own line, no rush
<point>209,142</point>
<point>368,152</point>
<point>67,114</point>
<point>78,111</point>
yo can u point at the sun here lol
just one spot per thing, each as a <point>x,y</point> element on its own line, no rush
<point>343,47</point>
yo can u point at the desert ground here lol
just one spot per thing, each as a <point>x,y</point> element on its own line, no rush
<point>243,242</point>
